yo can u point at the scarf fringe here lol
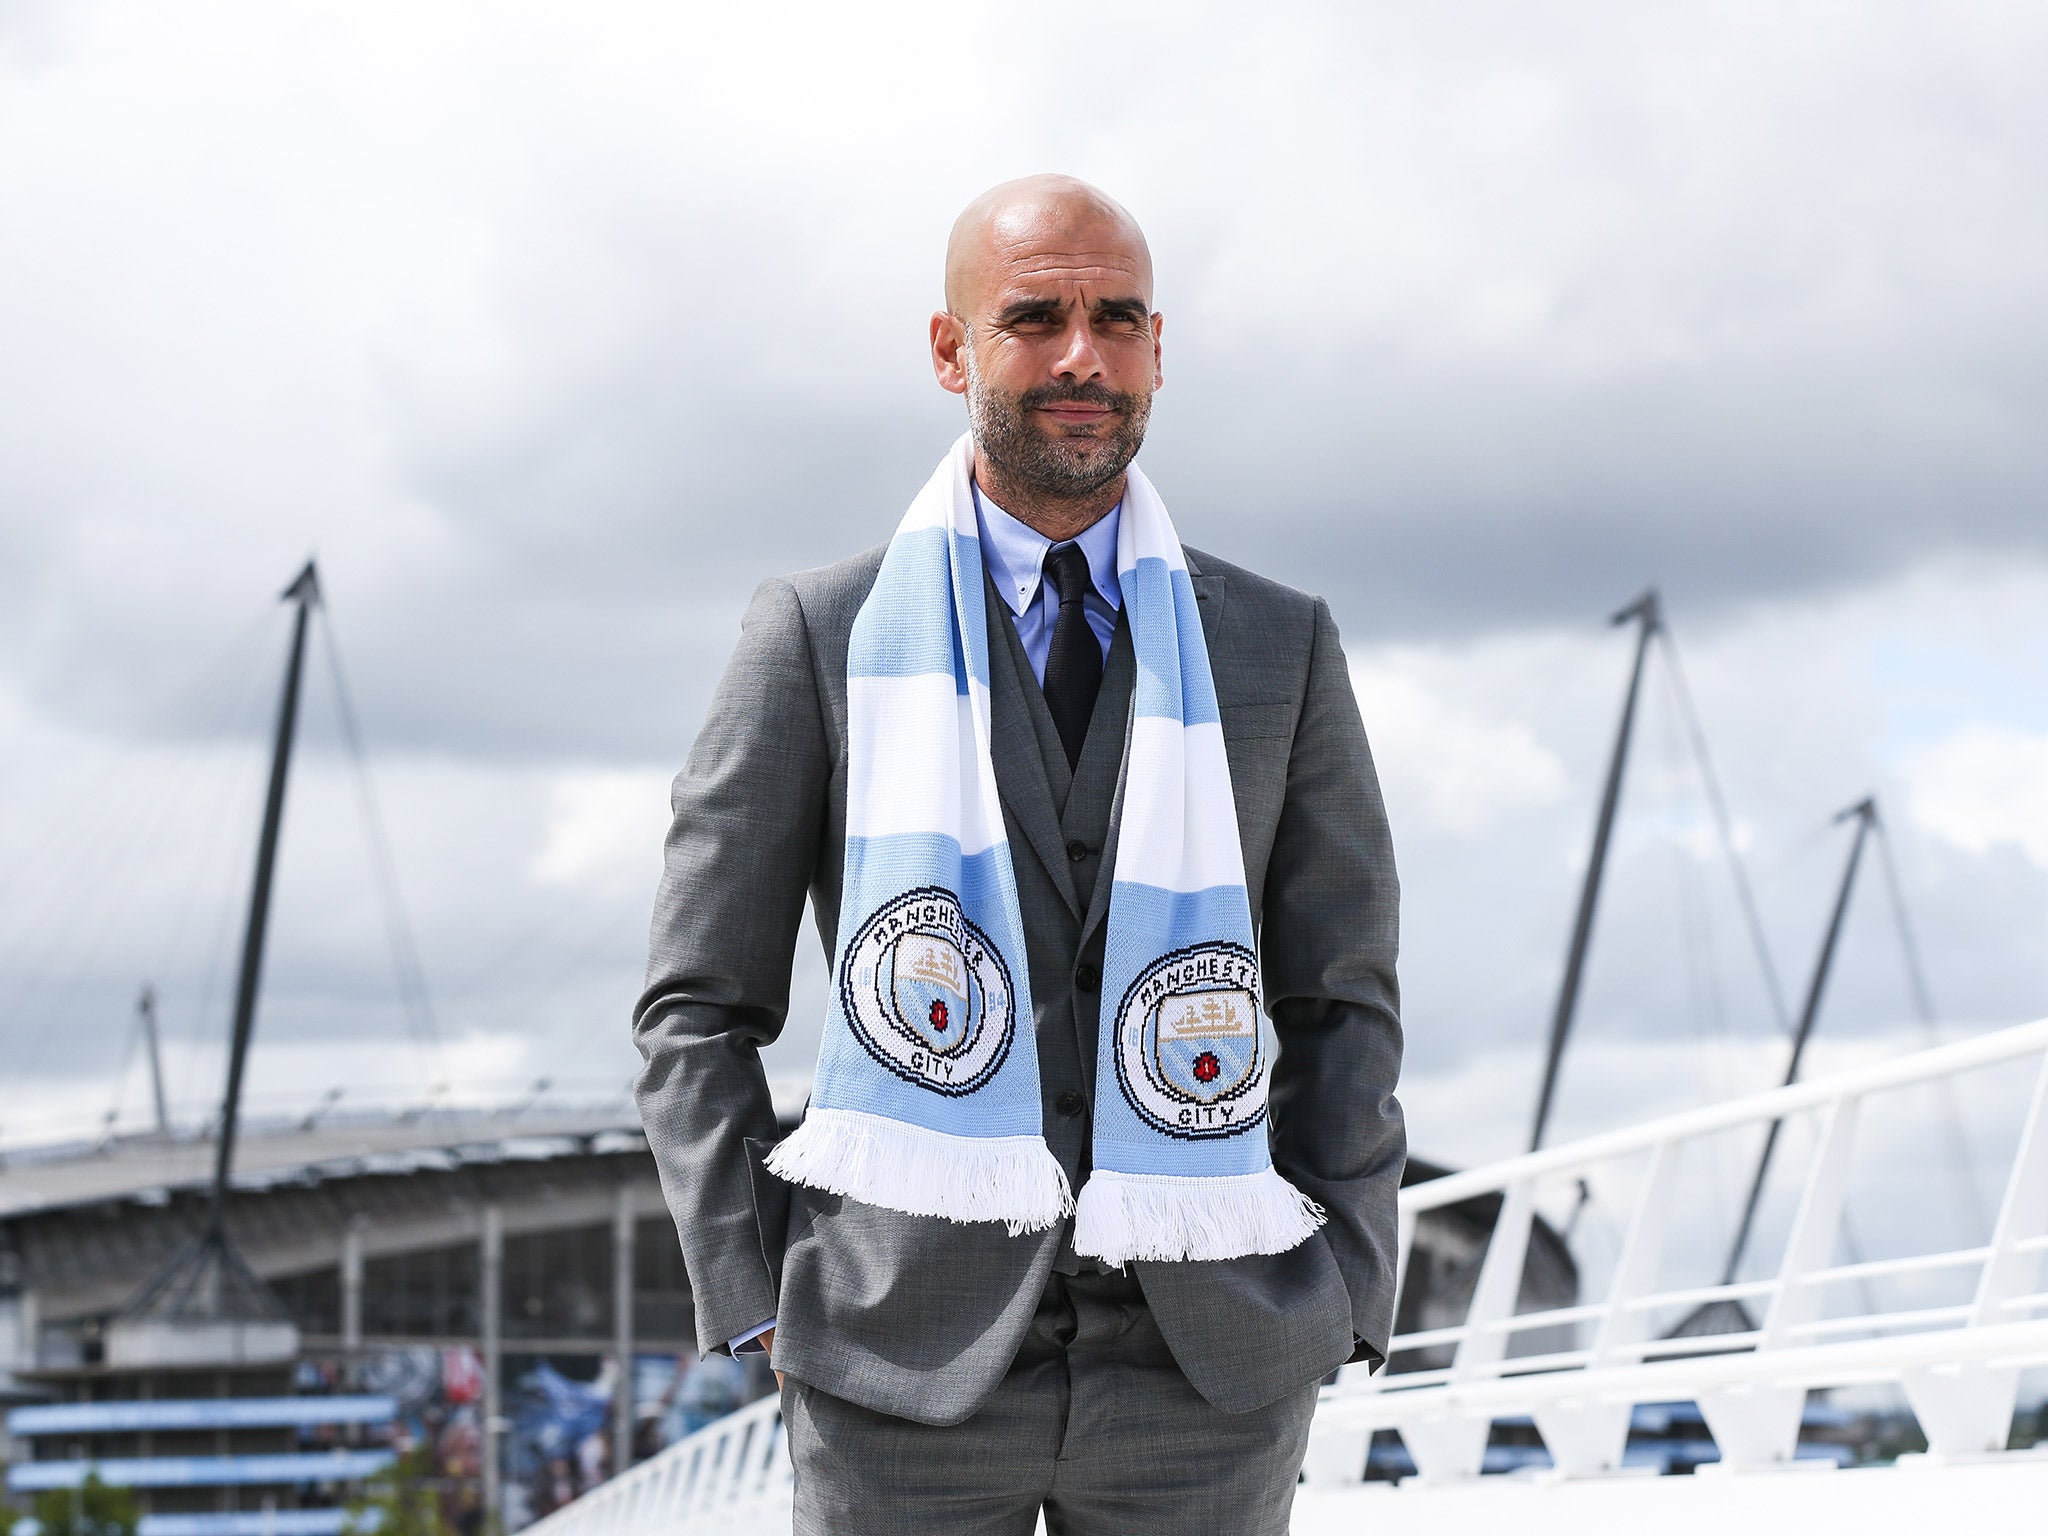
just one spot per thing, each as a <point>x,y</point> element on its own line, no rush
<point>1124,1216</point>
<point>1012,1179</point>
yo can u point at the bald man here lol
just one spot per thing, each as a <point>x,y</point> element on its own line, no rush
<point>948,1376</point>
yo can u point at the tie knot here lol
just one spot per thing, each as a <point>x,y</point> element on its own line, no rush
<point>1066,568</point>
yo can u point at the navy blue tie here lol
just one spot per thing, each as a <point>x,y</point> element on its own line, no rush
<point>1073,663</point>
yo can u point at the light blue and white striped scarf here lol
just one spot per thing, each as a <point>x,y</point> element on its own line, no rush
<point>927,1093</point>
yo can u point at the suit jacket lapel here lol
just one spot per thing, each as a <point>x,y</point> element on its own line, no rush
<point>1209,596</point>
<point>1019,761</point>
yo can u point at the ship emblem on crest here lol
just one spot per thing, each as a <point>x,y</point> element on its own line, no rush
<point>927,994</point>
<point>928,982</point>
<point>1207,1043</point>
<point>1190,1055</point>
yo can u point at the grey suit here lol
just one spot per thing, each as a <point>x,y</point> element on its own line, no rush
<point>919,1318</point>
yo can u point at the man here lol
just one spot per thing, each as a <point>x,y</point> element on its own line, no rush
<point>1060,997</point>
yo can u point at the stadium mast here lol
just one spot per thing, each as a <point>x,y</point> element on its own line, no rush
<point>1648,613</point>
<point>305,591</point>
<point>207,1304</point>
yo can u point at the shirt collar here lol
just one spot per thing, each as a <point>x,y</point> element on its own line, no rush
<point>1015,553</point>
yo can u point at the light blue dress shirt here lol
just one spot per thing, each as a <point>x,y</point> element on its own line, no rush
<point>1014,553</point>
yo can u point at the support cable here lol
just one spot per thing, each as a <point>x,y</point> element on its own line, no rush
<point>81,871</point>
<point>1864,814</point>
<point>1962,1155</point>
<point>120,1080</point>
<point>58,849</point>
<point>1710,1025</point>
<point>1909,945</point>
<point>228,837</point>
<point>210,1029</point>
<point>414,998</point>
<point>1724,827</point>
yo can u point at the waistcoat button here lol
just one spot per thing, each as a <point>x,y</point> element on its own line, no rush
<point>1071,1104</point>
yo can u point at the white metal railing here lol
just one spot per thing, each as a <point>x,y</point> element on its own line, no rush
<point>733,1475</point>
<point>1958,1364</point>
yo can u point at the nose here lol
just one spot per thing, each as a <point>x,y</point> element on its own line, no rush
<point>1079,360</point>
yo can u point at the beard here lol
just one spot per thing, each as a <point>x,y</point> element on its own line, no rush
<point>1046,463</point>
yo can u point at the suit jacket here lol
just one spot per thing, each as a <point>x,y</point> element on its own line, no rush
<point>920,1317</point>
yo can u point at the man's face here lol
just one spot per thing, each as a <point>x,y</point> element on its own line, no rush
<point>1058,352</point>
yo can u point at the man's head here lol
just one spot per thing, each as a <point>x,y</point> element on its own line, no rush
<point>1049,332</point>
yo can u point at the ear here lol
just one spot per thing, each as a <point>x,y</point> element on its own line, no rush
<point>1158,371</point>
<point>949,336</point>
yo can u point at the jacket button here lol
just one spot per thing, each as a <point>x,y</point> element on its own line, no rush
<point>1071,1104</point>
<point>1078,850</point>
<point>1086,977</point>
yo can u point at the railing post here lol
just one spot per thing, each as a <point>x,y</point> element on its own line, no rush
<point>2022,1213</point>
<point>1966,1410</point>
<point>665,1502</point>
<point>1498,1287</point>
<point>690,1479</point>
<point>1337,1452</point>
<point>1637,1270</point>
<point>1757,1425</point>
<point>765,1450</point>
<point>627,1498</point>
<point>1451,1445</point>
<point>1817,1228</point>
<point>1588,1436</point>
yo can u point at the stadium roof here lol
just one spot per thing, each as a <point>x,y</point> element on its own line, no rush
<point>151,1167</point>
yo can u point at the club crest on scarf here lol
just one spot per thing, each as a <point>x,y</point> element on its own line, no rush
<point>1188,1051</point>
<point>927,993</point>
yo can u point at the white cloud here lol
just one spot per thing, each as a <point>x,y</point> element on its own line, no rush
<point>604,826</point>
<point>554,335</point>
<point>1984,787</point>
<point>1445,766</point>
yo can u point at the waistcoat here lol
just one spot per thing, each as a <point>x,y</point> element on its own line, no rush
<point>1082,800</point>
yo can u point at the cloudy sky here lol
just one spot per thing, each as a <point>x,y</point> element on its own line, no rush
<point>551,329</point>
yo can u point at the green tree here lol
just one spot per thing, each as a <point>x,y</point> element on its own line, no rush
<point>91,1509</point>
<point>402,1500</point>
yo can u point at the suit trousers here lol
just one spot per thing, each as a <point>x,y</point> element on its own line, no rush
<point>1094,1423</point>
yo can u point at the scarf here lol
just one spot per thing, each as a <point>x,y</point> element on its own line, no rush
<point>927,1097</point>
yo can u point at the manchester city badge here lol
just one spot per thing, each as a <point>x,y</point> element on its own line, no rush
<point>927,994</point>
<point>1189,1055</point>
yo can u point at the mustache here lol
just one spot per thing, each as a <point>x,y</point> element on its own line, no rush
<point>1091,393</point>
